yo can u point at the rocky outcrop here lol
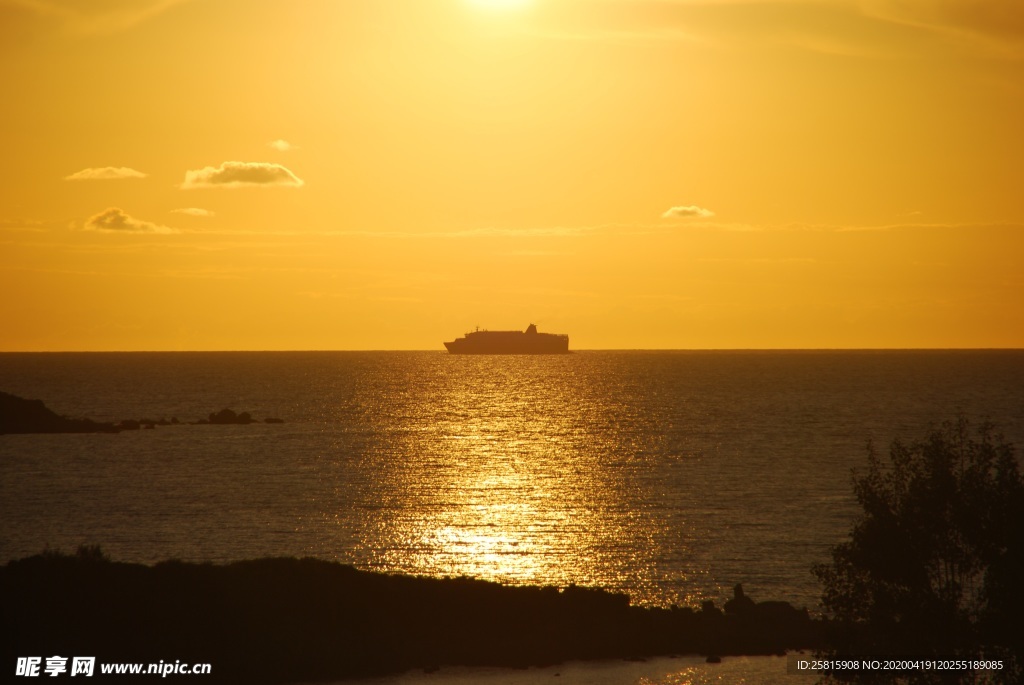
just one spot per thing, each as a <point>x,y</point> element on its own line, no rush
<point>19,415</point>
<point>229,417</point>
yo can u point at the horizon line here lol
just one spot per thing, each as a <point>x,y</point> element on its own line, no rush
<point>589,349</point>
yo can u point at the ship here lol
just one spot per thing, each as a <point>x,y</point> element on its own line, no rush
<point>510,342</point>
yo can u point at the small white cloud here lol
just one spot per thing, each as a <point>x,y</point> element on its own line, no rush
<point>116,220</point>
<point>241,174</point>
<point>281,145</point>
<point>106,173</point>
<point>686,212</point>
<point>193,211</point>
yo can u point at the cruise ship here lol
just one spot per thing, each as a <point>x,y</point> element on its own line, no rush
<point>509,342</point>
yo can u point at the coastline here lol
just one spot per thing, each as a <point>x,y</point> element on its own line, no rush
<point>287,620</point>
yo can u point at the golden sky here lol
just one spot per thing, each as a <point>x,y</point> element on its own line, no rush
<point>387,174</point>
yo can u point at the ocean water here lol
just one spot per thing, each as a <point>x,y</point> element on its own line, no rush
<point>668,475</point>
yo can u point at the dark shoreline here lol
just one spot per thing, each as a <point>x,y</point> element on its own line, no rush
<point>20,415</point>
<point>281,620</point>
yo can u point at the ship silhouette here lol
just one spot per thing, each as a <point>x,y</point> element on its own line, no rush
<point>509,342</point>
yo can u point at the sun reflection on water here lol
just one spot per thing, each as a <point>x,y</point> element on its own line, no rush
<point>491,477</point>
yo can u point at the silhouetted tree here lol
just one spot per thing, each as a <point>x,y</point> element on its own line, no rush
<point>933,567</point>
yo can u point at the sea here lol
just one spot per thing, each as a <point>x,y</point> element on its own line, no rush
<point>668,475</point>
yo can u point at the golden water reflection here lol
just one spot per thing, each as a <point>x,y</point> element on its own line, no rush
<point>491,476</point>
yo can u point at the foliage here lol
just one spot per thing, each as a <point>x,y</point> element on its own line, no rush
<point>932,567</point>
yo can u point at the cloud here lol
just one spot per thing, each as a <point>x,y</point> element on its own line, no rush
<point>241,174</point>
<point>115,220</point>
<point>686,212</point>
<point>106,173</point>
<point>281,145</point>
<point>193,211</point>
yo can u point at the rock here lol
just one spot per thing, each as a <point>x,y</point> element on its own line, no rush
<point>19,415</point>
<point>227,416</point>
<point>740,604</point>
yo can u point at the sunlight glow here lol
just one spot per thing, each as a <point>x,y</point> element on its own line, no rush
<point>500,4</point>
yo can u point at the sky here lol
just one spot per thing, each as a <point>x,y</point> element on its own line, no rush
<point>389,174</point>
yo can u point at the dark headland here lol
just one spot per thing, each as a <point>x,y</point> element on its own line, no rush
<point>287,620</point>
<point>20,415</point>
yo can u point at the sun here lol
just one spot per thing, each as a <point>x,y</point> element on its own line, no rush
<point>500,4</point>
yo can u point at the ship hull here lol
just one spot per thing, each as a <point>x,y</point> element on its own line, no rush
<point>509,342</point>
